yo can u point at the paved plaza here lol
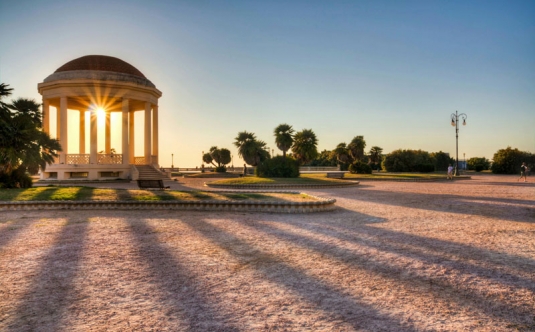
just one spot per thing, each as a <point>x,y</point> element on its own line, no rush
<point>393,256</point>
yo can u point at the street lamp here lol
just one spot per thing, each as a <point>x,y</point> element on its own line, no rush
<point>455,123</point>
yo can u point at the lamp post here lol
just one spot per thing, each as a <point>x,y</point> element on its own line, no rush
<point>455,122</point>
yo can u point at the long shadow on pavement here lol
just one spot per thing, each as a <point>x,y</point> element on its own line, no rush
<point>488,303</point>
<point>456,204</point>
<point>178,282</point>
<point>10,229</point>
<point>337,304</point>
<point>45,304</point>
<point>442,251</point>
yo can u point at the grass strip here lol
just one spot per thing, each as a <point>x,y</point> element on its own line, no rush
<point>303,179</point>
<point>396,176</point>
<point>97,194</point>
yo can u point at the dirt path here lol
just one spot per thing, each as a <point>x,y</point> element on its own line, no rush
<point>444,256</point>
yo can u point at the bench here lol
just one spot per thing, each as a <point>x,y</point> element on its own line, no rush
<point>148,184</point>
<point>335,175</point>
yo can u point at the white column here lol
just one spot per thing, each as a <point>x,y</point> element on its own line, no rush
<point>131,137</point>
<point>107,141</point>
<point>93,140</point>
<point>82,132</point>
<point>124,128</point>
<point>63,131</point>
<point>155,132</point>
<point>46,116</point>
<point>148,133</point>
<point>58,123</point>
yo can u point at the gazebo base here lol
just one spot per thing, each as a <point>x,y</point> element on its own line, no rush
<point>86,172</point>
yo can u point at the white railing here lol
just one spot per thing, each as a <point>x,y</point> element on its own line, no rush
<point>77,159</point>
<point>103,159</point>
<point>139,161</point>
<point>110,159</point>
<point>317,168</point>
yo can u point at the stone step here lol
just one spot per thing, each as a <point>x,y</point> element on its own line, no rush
<point>147,172</point>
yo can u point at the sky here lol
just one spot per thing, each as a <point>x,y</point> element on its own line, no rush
<point>391,71</point>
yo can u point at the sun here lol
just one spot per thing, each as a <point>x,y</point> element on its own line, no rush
<point>100,112</point>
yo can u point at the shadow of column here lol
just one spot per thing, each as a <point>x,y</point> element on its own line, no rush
<point>45,305</point>
<point>324,297</point>
<point>490,304</point>
<point>178,283</point>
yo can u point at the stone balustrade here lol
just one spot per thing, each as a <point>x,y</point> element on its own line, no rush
<point>322,204</point>
<point>109,159</point>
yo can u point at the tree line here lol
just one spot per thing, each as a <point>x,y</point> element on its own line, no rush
<point>300,149</point>
<point>24,146</point>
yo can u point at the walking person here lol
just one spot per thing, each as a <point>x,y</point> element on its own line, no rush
<point>244,169</point>
<point>523,172</point>
<point>450,172</point>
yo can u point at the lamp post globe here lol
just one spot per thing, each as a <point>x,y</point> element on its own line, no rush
<point>455,123</point>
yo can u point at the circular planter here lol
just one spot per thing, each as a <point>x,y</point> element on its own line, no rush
<point>322,204</point>
<point>282,186</point>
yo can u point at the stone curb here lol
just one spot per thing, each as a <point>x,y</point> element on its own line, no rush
<point>280,186</point>
<point>323,204</point>
<point>415,180</point>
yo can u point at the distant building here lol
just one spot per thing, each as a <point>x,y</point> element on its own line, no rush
<point>97,83</point>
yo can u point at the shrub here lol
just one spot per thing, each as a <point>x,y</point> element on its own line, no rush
<point>508,161</point>
<point>375,166</point>
<point>406,161</point>
<point>278,167</point>
<point>424,168</point>
<point>16,179</point>
<point>344,166</point>
<point>360,168</point>
<point>441,160</point>
<point>325,158</point>
<point>220,169</point>
<point>478,162</point>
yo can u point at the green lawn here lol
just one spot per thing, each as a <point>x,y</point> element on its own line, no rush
<point>320,178</point>
<point>96,194</point>
<point>303,179</point>
<point>396,176</point>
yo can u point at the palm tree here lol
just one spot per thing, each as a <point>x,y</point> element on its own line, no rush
<point>375,154</point>
<point>220,156</point>
<point>250,149</point>
<point>356,148</point>
<point>305,146</point>
<point>284,137</point>
<point>23,146</point>
<point>28,107</point>
<point>5,91</point>
<point>341,153</point>
<point>207,158</point>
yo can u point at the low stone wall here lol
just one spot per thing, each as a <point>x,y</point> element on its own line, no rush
<point>322,204</point>
<point>282,186</point>
<point>414,179</point>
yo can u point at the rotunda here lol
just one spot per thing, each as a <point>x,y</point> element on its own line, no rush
<point>93,84</point>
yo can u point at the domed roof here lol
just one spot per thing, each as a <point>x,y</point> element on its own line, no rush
<point>100,63</point>
<point>99,68</point>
